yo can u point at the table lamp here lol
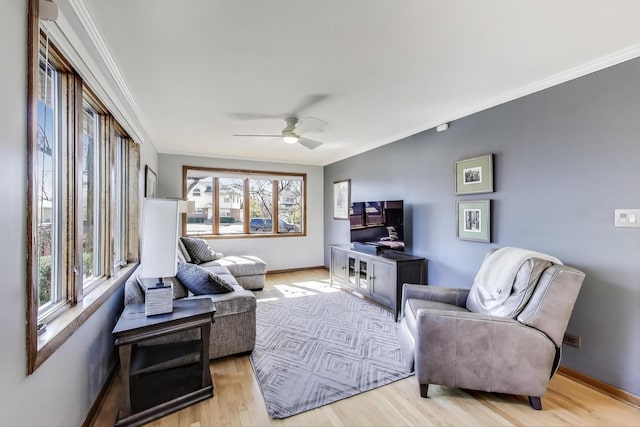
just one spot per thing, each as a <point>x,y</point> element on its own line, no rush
<point>159,253</point>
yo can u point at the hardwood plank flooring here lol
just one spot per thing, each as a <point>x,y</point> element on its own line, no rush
<point>238,400</point>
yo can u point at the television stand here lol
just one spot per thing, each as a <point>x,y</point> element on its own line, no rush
<point>370,248</point>
<point>378,276</point>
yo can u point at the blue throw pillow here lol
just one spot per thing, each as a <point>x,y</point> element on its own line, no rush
<point>201,281</point>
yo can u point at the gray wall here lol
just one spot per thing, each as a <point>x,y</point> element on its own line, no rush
<point>565,158</point>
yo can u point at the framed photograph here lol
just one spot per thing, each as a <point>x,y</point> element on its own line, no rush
<point>150,183</point>
<point>473,220</point>
<point>475,175</point>
<point>341,199</point>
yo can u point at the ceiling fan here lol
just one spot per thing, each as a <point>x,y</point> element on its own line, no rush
<point>293,130</point>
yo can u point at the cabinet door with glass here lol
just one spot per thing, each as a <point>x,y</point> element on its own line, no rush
<point>358,273</point>
<point>363,275</point>
<point>352,272</point>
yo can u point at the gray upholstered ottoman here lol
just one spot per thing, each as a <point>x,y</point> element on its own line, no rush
<point>248,270</point>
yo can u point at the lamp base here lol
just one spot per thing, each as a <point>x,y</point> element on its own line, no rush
<point>158,298</point>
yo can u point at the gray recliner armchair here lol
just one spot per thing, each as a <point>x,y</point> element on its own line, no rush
<point>503,335</point>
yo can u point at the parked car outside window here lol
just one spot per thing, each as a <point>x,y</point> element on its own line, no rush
<point>286,227</point>
<point>260,224</point>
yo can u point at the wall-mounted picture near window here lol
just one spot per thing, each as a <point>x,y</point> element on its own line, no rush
<point>474,176</point>
<point>474,220</point>
<point>341,199</point>
<point>150,183</point>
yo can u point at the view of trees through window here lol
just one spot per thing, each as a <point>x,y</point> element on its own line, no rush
<point>47,209</point>
<point>240,202</point>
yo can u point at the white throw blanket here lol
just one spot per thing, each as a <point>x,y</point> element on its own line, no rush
<point>498,271</point>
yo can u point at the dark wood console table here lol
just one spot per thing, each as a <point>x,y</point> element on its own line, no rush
<point>377,276</point>
<point>160,378</point>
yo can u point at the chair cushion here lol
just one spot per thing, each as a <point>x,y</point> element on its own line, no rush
<point>202,281</point>
<point>524,284</point>
<point>413,305</point>
<point>198,249</point>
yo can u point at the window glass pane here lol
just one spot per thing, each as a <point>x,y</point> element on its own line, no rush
<point>200,190</point>
<point>231,205</point>
<point>290,200</point>
<point>261,205</point>
<point>90,194</point>
<point>120,208</point>
<point>47,188</point>
<point>258,215</point>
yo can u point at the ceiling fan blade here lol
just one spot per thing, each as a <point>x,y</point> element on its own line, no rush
<point>267,136</point>
<point>310,124</point>
<point>309,143</point>
<point>307,102</point>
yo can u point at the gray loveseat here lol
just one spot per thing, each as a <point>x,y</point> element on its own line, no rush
<point>234,329</point>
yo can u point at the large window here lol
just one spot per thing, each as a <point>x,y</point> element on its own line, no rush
<point>48,187</point>
<point>92,155</point>
<point>119,201</point>
<point>83,194</point>
<point>235,203</point>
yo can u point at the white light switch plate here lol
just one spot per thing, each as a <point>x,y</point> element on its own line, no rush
<point>627,218</point>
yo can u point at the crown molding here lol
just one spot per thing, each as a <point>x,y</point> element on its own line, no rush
<point>140,130</point>
<point>590,67</point>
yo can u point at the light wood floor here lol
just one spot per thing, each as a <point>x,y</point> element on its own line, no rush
<point>238,400</point>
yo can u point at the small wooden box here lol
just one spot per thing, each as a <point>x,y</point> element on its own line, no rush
<point>158,299</point>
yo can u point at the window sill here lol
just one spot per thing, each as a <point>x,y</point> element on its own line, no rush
<point>244,236</point>
<point>63,326</point>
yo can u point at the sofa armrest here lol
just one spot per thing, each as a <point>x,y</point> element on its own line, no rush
<point>454,296</point>
<point>133,294</point>
<point>482,352</point>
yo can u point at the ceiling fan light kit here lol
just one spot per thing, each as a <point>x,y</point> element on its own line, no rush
<point>290,137</point>
<point>292,131</point>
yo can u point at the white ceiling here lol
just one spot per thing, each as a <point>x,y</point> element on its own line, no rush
<point>378,70</point>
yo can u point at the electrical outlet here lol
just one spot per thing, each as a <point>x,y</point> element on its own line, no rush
<point>572,340</point>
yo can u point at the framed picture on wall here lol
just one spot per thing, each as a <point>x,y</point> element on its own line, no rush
<point>341,199</point>
<point>474,176</point>
<point>473,220</point>
<point>150,183</point>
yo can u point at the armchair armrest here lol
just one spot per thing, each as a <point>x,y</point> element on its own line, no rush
<point>482,352</point>
<point>454,296</point>
<point>551,304</point>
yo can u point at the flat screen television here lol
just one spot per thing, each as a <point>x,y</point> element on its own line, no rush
<point>379,223</point>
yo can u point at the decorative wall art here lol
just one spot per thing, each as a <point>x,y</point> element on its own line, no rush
<point>341,199</point>
<point>150,183</point>
<point>474,220</point>
<point>474,176</point>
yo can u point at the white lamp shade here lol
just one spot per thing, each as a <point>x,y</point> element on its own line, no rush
<point>159,238</point>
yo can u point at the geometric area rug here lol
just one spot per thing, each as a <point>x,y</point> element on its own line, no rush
<point>315,347</point>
